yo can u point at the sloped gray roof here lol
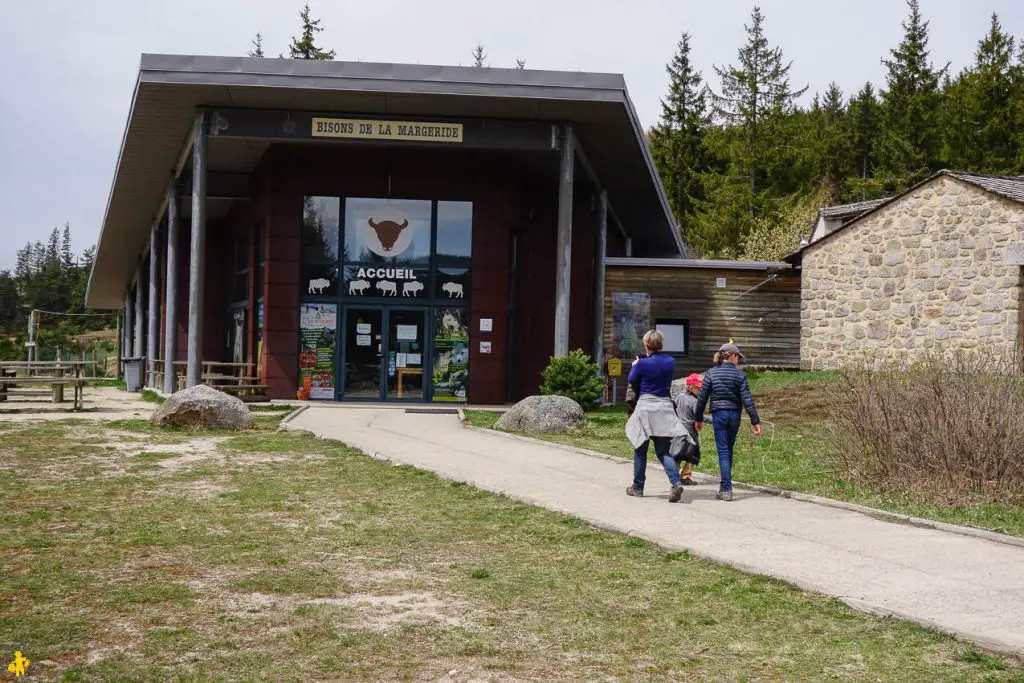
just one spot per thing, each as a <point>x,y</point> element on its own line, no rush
<point>1011,187</point>
<point>854,209</point>
<point>170,88</point>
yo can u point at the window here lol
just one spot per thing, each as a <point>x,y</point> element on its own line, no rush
<point>677,334</point>
<point>454,232</point>
<point>320,241</point>
<point>387,231</point>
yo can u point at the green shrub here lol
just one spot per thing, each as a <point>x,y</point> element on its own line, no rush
<point>575,376</point>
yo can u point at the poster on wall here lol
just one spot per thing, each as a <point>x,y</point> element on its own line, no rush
<point>631,318</point>
<point>318,327</point>
<point>451,354</point>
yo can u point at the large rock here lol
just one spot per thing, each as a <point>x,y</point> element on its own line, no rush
<point>202,407</point>
<point>543,414</point>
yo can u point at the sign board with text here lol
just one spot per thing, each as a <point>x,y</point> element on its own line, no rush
<point>614,367</point>
<point>372,129</point>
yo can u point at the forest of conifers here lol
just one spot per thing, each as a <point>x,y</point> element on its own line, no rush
<point>746,167</point>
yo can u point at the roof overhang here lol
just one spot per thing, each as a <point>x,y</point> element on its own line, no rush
<point>171,88</point>
<point>704,264</point>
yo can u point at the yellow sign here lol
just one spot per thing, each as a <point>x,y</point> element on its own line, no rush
<point>18,666</point>
<point>368,129</point>
<point>614,367</point>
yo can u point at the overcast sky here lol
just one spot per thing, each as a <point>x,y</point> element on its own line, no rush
<point>69,66</point>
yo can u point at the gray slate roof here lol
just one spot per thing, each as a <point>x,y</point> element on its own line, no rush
<point>1011,187</point>
<point>848,210</point>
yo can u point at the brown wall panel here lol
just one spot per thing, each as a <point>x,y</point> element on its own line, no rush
<point>764,322</point>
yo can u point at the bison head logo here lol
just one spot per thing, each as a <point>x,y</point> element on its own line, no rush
<point>388,231</point>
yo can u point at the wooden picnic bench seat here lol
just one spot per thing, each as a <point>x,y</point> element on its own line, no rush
<point>250,393</point>
<point>57,385</point>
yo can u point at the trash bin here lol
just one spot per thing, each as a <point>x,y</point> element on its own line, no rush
<point>133,369</point>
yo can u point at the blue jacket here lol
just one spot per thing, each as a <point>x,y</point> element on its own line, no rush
<point>725,386</point>
<point>654,375</point>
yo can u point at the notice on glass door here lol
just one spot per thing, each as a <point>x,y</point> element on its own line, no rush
<point>406,332</point>
<point>318,327</point>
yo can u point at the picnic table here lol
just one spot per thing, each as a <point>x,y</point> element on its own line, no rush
<point>55,374</point>
<point>231,378</point>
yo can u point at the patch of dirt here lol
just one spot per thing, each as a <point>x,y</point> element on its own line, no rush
<point>101,403</point>
<point>382,612</point>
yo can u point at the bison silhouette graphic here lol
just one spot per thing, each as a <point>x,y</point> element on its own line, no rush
<point>388,231</point>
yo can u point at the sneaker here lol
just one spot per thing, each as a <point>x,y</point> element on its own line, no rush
<point>636,493</point>
<point>724,495</point>
<point>677,493</point>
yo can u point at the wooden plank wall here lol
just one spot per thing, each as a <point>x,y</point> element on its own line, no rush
<point>765,323</point>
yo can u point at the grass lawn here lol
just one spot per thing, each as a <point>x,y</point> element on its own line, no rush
<point>130,553</point>
<point>789,454</point>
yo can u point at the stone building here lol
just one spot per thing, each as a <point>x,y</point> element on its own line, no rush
<point>939,266</point>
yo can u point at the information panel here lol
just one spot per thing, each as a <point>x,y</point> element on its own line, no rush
<point>318,330</point>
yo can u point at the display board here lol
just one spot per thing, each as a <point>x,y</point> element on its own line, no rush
<point>451,354</point>
<point>631,318</point>
<point>318,331</point>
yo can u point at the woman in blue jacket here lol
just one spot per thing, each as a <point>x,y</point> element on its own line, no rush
<point>725,386</point>
<point>654,418</point>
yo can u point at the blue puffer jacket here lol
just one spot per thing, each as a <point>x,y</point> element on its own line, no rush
<point>725,386</point>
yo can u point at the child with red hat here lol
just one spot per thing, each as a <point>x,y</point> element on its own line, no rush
<point>686,409</point>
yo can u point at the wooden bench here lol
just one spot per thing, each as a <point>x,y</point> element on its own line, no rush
<point>56,384</point>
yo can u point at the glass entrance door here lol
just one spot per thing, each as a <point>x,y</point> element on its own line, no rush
<point>364,349</point>
<point>406,353</point>
<point>384,354</point>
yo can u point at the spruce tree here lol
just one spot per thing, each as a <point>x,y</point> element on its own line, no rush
<point>677,141</point>
<point>978,124</point>
<point>863,126</point>
<point>832,143</point>
<point>910,142</point>
<point>306,47</point>
<point>479,57</point>
<point>757,140</point>
<point>257,46</point>
<point>67,257</point>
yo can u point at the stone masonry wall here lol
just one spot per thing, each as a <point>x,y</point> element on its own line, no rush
<point>929,270</point>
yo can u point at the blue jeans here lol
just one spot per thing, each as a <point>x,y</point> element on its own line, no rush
<point>661,446</point>
<point>727,426</point>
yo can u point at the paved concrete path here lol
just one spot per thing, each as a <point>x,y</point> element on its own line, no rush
<point>968,586</point>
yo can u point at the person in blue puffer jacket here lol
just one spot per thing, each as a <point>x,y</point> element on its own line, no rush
<point>725,386</point>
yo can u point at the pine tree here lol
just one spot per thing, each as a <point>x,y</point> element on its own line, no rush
<point>67,257</point>
<point>757,139</point>
<point>677,141</point>
<point>53,248</point>
<point>305,47</point>
<point>910,142</point>
<point>978,124</point>
<point>836,159</point>
<point>257,47</point>
<point>479,56</point>
<point>863,125</point>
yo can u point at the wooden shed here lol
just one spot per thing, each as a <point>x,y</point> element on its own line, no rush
<point>699,305</point>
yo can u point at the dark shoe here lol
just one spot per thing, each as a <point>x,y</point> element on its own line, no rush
<point>636,493</point>
<point>677,493</point>
<point>689,482</point>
